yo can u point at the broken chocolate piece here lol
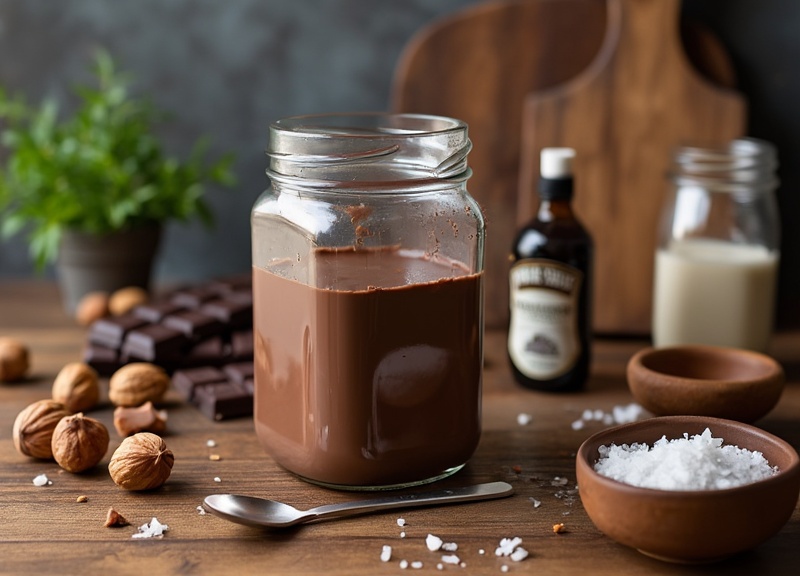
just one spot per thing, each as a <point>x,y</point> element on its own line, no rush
<point>110,332</point>
<point>223,400</point>
<point>187,381</point>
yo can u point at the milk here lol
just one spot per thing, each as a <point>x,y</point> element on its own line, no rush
<point>714,292</point>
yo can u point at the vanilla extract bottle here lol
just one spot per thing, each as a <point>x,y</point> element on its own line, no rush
<point>549,332</point>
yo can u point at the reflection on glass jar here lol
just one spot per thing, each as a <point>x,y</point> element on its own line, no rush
<point>368,300</point>
<point>717,260</point>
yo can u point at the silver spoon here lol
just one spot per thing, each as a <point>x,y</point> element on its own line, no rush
<point>253,511</point>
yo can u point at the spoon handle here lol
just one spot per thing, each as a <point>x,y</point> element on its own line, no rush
<point>486,491</point>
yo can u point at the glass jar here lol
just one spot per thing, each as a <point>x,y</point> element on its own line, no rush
<point>368,300</point>
<point>717,259</point>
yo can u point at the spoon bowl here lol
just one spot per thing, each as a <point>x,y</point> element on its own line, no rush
<point>254,511</point>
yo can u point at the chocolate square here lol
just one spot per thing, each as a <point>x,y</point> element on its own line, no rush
<point>194,324</point>
<point>104,360</point>
<point>187,381</point>
<point>212,352</point>
<point>223,400</point>
<point>234,314</point>
<point>153,342</point>
<point>111,331</point>
<point>193,298</point>
<point>156,311</point>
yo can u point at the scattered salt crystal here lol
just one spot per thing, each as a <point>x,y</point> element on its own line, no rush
<point>463,564</point>
<point>211,443</point>
<point>608,419</point>
<point>42,480</point>
<point>401,522</point>
<point>536,503</point>
<point>587,415</point>
<point>217,479</point>
<point>386,553</point>
<point>451,559</point>
<point>559,481</point>
<point>519,554</point>
<point>440,566</point>
<point>597,414</point>
<point>416,565</point>
<point>433,543</point>
<point>402,534</point>
<point>154,529</point>
<point>481,551</point>
<point>504,568</point>
<point>507,546</point>
<point>524,419</point>
<point>699,462</point>
<point>403,564</point>
<point>201,511</point>
<point>577,425</point>
<point>449,546</point>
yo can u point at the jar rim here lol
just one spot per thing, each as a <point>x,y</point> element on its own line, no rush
<point>368,147</point>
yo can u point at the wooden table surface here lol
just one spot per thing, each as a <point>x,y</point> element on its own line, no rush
<point>45,531</point>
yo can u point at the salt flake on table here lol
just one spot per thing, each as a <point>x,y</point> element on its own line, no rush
<point>42,480</point>
<point>416,564</point>
<point>451,559</point>
<point>577,425</point>
<point>201,511</point>
<point>536,503</point>
<point>403,564</point>
<point>401,522</point>
<point>211,443</point>
<point>524,419</point>
<point>519,554</point>
<point>386,553</point>
<point>434,543</point>
<point>217,479</point>
<point>449,546</point>
<point>154,529</point>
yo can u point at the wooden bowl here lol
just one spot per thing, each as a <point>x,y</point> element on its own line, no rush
<point>690,526</point>
<point>705,381</point>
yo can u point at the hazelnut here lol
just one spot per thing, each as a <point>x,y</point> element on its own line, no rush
<point>144,418</point>
<point>91,308</point>
<point>77,387</point>
<point>126,299</point>
<point>33,428</point>
<point>136,383</point>
<point>79,442</point>
<point>115,519</point>
<point>13,360</point>
<point>142,462</point>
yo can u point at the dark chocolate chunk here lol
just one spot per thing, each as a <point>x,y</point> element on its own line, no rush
<point>242,345</point>
<point>194,324</point>
<point>211,352</point>
<point>153,342</point>
<point>186,381</point>
<point>234,314</point>
<point>223,400</point>
<point>104,360</point>
<point>239,371</point>
<point>110,332</point>
<point>156,311</point>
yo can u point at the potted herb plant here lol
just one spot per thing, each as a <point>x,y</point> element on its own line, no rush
<point>93,190</point>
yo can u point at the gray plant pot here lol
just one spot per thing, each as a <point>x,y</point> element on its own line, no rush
<point>107,262</point>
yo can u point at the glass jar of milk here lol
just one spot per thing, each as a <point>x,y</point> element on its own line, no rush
<point>717,258</point>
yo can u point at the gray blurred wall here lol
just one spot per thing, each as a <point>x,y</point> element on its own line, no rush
<point>227,68</point>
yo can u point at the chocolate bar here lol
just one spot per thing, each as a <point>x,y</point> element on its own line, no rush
<point>202,335</point>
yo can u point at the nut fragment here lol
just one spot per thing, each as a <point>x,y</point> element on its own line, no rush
<point>126,299</point>
<point>114,519</point>
<point>13,360</point>
<point>33,428</point>
<point>91,308</point>
<point>142,462</point>
<point>79,442</point>
<point>76,387</point>
<point>82,498</point>
<point>136,383</point>
<point>144,418</point>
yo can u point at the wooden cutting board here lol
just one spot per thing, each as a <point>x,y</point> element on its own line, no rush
<point>479,65</point>
<point>624,115</point>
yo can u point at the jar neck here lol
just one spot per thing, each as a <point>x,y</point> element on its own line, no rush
<point>550,210</point>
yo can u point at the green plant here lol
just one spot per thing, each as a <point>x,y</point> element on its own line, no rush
<point>99,171</point>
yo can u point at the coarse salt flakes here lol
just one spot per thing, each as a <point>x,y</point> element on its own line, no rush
<point>217,479</point>
<point>440,566</point>
<point>451,559</point>
<point>519,554</point>
<point>401,522</point>
<point>211,443</point>
<point>536,503</point>
<point>434,543</point>
<point>201,511</point>
<point>402,534</point>
<point>449,546</point>
<point>154,529</point>
<point>504,568</point>
<point>403,564</point>
<point>507,546</point>
<point>42,480</point>
<point>481,551</point>
<point>386,553</point>
<point>416,564</point>
<point>699,462</point>
<point>577,425</point>
<point>524,419</point>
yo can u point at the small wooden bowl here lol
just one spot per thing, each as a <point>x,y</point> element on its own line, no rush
<point>690,526</point>
<point>705,381</point>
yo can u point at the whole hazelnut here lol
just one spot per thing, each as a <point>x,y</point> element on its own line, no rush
<point>91,308</point>
<point>76,387</point>
<point>33,428</point>
<point>126,299</point>
<point>142,462</point>
<point>137,383</point>
<point>79,442</point>
<point>13,360</point>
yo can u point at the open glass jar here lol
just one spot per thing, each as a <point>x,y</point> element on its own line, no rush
<point>717,260</point>
<point>368,300</point>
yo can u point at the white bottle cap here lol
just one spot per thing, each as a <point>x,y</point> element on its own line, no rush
<point>556,162</point>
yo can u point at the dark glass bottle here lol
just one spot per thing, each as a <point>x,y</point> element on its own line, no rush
<point>549,336</point>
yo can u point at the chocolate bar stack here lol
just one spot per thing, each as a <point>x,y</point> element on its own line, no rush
<point>202,335</point>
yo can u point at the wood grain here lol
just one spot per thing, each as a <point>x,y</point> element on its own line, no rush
<point>45,531</point>
<point>625,115</point>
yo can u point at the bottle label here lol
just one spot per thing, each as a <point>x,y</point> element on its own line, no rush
<point>543,336</point>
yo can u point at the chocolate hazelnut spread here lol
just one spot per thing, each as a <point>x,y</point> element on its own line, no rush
<point>372,375</point>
